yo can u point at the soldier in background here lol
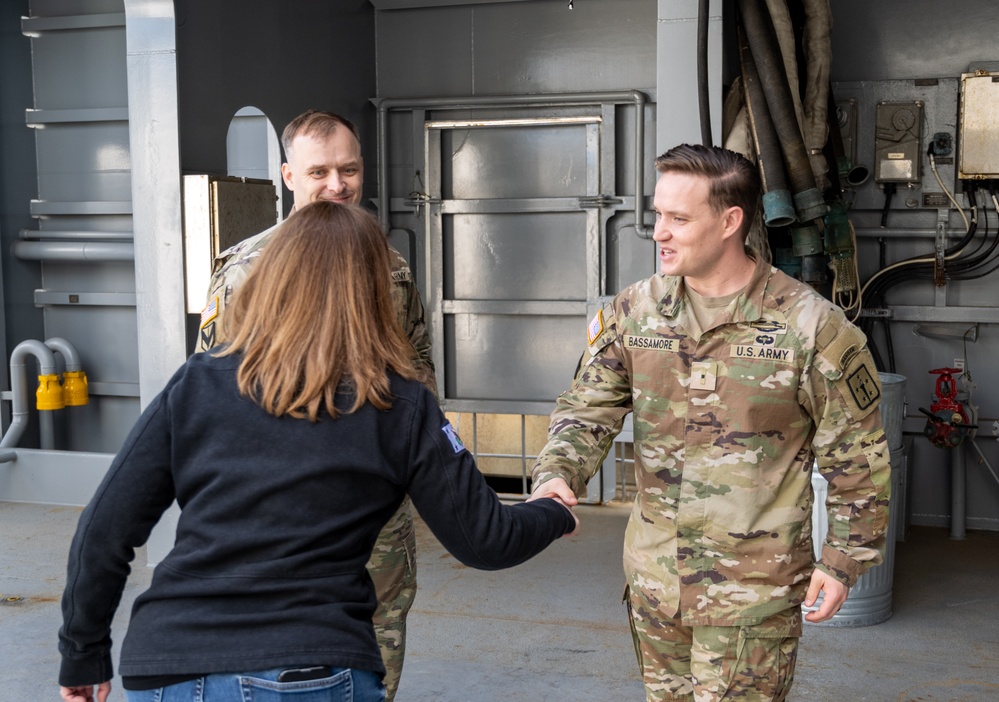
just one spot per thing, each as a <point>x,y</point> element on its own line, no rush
<point>324,162</point>
<point>739,378</point>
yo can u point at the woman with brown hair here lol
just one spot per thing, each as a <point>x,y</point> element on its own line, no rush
<point>325,429</point>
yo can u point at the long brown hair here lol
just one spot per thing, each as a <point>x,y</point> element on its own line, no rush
<point>316,314</point>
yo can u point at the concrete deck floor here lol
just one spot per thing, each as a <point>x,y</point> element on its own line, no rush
<point>555,629</point>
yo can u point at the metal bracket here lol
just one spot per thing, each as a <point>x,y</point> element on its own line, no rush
<point>599,201</point>
<point>879,312</point>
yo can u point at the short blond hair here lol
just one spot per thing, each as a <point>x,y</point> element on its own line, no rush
<point>318,124</point>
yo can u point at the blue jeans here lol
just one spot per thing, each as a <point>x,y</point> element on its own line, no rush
<point>344,685</point>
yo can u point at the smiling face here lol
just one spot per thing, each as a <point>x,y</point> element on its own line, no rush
<point>695,241</point>
<point>330,169</point>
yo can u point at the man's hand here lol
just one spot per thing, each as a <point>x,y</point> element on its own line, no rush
<point>833,596</point>
<point>556,487</point>
<point>558,490</point>
<point>85,693</point>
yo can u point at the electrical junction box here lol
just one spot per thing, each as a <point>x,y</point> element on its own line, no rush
<point>898,142</point>
<point>979,126</point>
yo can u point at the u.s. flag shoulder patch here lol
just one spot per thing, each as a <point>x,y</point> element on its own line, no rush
<point>452,436</point>
<point>595,327</point>
<point>210,312</point>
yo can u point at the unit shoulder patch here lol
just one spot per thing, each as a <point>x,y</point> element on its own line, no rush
<point>206,336</point>
<point>847,364</point>
<point>863,387</point>
<point>453,438</point>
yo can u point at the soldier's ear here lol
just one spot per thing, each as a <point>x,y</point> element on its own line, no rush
<point>286,176</point>
<point>732,221</point>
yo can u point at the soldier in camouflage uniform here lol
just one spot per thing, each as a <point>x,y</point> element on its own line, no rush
<point>739,378</point>
<point>324,162</point>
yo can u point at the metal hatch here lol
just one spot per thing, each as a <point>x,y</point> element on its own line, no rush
<point>513,234</point>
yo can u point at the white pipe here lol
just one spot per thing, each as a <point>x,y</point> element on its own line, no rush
<point>19,386</point>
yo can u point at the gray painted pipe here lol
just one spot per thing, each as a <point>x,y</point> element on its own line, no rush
<point>35,234</point>
<point>634,96</point>
<point>19,386</point>
<point>901,233</point>
<point>90,252</point>
<point>8,456</point>
<point>957,493</point>
<point>46,429</point>
<point>68,351</point>
<point>46,420</point>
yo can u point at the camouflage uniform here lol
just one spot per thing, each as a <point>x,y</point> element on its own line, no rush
<point>393,561</point>
<point>727,423</point>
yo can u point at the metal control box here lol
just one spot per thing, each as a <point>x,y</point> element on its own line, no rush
<point>898,142</point>
<point>979,126</point>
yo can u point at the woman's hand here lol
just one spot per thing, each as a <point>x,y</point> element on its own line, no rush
<point>558,490</point>
<point>85,693</point>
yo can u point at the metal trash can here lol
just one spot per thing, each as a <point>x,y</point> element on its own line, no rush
<point>870,600</point>
<point>892,407</point>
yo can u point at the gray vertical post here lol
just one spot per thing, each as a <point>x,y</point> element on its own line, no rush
<point>957,492</point>
<point>154,137</point>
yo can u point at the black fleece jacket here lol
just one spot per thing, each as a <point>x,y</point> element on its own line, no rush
<point>278,519</point>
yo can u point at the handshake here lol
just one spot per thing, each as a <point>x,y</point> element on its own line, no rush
<point>558,490</point>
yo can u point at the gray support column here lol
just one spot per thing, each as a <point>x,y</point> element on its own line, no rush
<point>154,137</point>
<point>156,191</point>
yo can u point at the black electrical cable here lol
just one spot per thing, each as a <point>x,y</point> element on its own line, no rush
<point>889,189</point>
<point>920,268</point>
<point>979,259</point>
<point>972,226</point>
<point>889,346</point>
<point>976,260</point>
<point>966,268</point>
<point>960,264</point>
<point>703,93</point>
<point>917,270</point>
